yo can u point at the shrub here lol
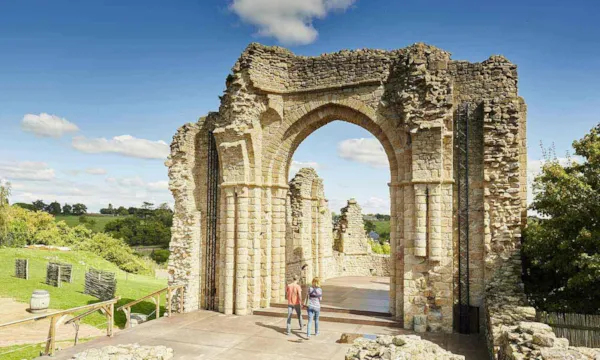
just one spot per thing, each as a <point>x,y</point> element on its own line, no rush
<point>160,255</point>
<point>36,227</point>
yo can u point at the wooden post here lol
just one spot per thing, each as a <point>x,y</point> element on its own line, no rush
<point>111,319</point>
<point>76,332</point>
<point>157,306</point>
<point>127,317</point>
<point>50,343</point>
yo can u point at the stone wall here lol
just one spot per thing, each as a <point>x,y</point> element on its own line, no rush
<point>407,99</point>
<point>353,253</point>
<point>510,326</point>
<point>308,236</point>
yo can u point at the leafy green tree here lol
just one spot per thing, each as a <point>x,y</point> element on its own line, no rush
<point>25,206</point>
<point>562,247</point>
<point>4,213</point>
<point>369,226</point>
<point>67,209</point>
<point>79,209</point>
<point>39,205</point>
<point>53,208</point>
<point>122,211</point>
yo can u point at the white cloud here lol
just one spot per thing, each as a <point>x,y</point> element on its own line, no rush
<point>158,186</point>
<point>96,171</point>
<point>367,151</point>
<point>125,145</point>
<point>26,171</point>
<point>118,191</point>
<point>295,166</point>
<point>46,125</point>
<point>289,21</point>
<point>375,205</point>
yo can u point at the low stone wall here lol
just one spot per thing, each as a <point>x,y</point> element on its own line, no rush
<point>510,326</point>
<point>398,347</point>
<point>127,351</point>
<point>362,264</point>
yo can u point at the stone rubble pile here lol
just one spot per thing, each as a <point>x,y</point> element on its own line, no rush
<point>534,340</point>
<point>126,352</point>
<point>511,329</point>
<point>400,347</point>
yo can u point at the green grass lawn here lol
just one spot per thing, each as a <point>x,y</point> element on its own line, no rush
<point>129,286</point>
<point>101,220</point>
<point>382,226</point>
<point>30,351</point>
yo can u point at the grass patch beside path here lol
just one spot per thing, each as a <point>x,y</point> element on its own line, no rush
<point>101,220</point>
<point>129,286</point>
<point>31,351</point>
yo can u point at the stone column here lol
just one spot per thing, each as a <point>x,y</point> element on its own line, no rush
<point>267,259</point>
<point>241,251</point>
<point>228,241</point>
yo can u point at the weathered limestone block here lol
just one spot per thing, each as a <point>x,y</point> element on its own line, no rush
<point>398,347</point>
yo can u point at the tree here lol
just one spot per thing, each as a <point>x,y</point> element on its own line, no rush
<point>39,205</point>
<point>53,208</point>
<point>25,206</point>
<point>132,210</point>
<point>122,211</point>
<point>111,211</point>
<point>67,209</point>
<point>562,247</point>
<point>4,213</point>
<point>146,209</point>
<point>79,209</point>
<point>369,226</point>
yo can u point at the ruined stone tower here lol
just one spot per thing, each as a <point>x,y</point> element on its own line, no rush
<point>454,136</point>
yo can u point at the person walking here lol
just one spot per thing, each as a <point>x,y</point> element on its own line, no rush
<point>314,296</point>
<point>293,293</point>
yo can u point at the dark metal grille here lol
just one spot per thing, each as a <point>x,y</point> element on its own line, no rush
<point>462,148</point>
<point>212,206</point>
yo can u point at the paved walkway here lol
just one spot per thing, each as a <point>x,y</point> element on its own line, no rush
<point>357,293</point>
<point>11,310</point>
<point>210,335</point>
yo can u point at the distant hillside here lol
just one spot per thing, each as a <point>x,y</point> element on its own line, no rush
<point>98,220</point>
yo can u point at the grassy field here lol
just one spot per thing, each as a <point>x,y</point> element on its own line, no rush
<point>31,351</point>
<point>382,226</point>
<point>129,286</point>
<point>101,220</point>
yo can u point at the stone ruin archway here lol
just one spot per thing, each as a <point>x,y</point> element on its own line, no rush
<point>409,99</point>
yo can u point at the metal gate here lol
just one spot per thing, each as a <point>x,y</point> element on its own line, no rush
<point>462,149</point>
<point>212,211</point>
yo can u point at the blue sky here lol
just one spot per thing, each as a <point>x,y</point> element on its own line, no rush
<point>143,68</point>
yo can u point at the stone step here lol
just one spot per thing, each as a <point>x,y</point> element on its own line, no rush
<point>338,317</point>
<point>331,309</point>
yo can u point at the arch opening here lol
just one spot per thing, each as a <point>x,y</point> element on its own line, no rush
<point>330,238</point>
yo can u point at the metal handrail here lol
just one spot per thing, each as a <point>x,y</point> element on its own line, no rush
<point>155,296</point>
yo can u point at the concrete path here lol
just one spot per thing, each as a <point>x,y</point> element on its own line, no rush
<point>35,332</point>
<point>370,293</point>
<point>210,335</point>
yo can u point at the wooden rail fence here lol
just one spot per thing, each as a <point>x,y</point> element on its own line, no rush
<point>579,329</point>
<point>59,317</point>
<point>155,296</point>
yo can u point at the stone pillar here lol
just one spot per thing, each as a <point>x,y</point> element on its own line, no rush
<point>241,251</point>
<point>228,236</point>
<point>267,259</point>
<point>278,244</point>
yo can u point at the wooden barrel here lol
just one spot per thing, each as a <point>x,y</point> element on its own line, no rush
<point>40,300</point>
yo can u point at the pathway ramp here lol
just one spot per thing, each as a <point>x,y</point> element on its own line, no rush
<point>210,335</point>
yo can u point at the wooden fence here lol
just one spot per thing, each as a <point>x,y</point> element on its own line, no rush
<point>579,329</point>
<point>100,284</point>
